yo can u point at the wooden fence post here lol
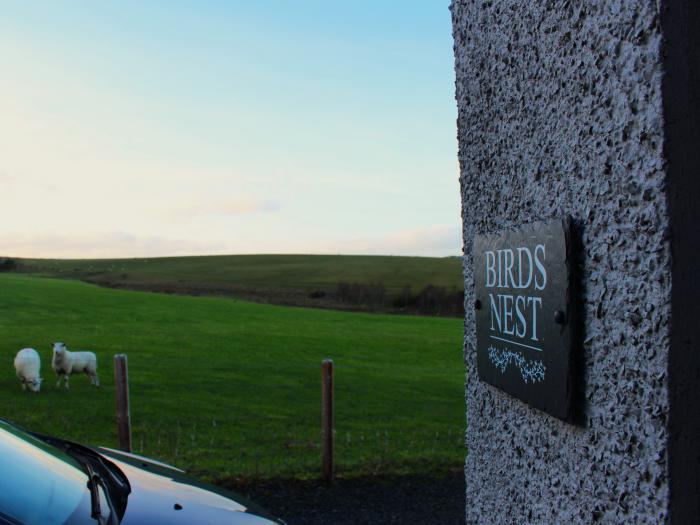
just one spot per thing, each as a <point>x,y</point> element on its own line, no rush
<point>327,418</point>
<point>121,384</point>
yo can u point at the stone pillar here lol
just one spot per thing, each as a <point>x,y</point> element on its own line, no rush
<point>589,109</point>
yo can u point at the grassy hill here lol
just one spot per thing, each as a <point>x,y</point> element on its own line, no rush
<point>425,285</point>
<point>230,388</point>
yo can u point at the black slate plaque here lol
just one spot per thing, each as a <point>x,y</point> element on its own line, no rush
<point>523,307</point>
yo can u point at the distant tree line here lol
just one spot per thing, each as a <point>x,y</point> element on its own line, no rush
<point>7,264</point>
<point>431,300</point>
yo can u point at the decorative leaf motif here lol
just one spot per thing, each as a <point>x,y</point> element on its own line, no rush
<point>532,370</point>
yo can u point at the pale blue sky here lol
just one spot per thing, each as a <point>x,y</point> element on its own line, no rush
<point>188,127</point>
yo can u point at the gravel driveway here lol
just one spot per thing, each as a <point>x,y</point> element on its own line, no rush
<point>366,500</point>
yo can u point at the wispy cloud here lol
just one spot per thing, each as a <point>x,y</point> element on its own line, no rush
<point>433,241</point>
<point>100,245</point>
<point>437,240</point>
<point>6,177</point>
<point>240,206</point>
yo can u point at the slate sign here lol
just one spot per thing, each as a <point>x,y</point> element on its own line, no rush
<point>523,313</point>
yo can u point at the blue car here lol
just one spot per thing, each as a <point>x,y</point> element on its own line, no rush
<point>49,481</point>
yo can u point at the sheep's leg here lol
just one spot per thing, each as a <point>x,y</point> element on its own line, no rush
<point>95,380</point>
<point>24,385</point>
<point>58,383</point>
<point>65,376</point>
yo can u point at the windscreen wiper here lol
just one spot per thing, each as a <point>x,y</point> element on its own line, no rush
<point>113,480</point>
<point>93,483</point>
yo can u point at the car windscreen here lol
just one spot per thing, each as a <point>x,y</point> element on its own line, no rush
<point>39,483</point>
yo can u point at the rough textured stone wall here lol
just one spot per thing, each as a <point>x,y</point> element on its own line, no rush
<point>560,113</point>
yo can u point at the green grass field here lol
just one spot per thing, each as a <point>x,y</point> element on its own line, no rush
<point>225,388</point>
<point>277,279</point>
<point>277,271</point>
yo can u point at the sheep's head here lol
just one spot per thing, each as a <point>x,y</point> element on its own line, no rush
<point>59,350</point>
<point>34,384</point>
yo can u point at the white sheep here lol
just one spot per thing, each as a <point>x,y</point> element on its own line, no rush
<point>65,363</point>
<point>28,369</point>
